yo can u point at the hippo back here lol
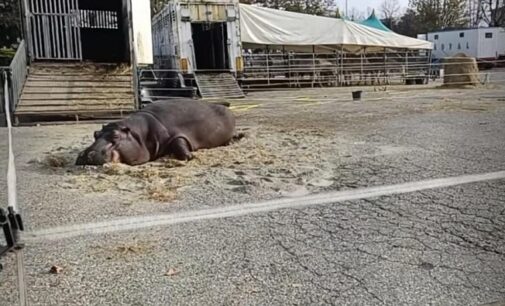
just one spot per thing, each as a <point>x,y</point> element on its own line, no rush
<point>204,125</point>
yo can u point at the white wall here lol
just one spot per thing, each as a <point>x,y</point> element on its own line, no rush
<point>142,37</point>
<point>450,43</point>
<point>489,47</point>
<point>473,43</point>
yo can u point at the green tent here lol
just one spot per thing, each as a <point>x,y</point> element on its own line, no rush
<point>375,22</point>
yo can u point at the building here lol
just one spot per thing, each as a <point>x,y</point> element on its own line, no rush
<point>481,43</point>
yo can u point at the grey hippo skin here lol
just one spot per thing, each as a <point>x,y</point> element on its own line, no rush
<point>175,127</point>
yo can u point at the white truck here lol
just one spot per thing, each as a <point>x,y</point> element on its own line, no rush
<point>200,41</point>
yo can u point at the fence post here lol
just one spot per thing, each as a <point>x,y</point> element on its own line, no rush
<point>268,66</point>
<point>385,66</point>
<point>313,65</point>
<point>341,64</point>
<point>361,65</point>
<point>429,67</point>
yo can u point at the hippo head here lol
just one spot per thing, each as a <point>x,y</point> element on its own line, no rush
<point>114,143</point>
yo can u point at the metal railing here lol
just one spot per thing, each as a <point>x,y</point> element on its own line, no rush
<point>15,76</point>
<point>161,84</point>
<point>333,69</point>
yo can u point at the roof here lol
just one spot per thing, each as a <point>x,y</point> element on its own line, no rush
<point>375,22</point>
<point>464,29</point>
<point>263,26</point>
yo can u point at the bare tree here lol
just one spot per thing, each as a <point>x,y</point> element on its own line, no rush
<point>440,14</point>
<point>390,9</point>
<point>355,14</point>
<point>493,12</point>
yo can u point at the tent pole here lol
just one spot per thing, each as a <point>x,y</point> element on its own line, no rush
<point>361,65</point>
<point>429,67</point>
<point>337,64</point>
<point>313,65</point>
<point>285,61</point>
<point>341,64</point>
<point>385,66</point>
<point>268,66</point>
<point>407,63</point>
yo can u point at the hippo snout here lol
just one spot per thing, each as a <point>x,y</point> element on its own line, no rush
<point>90,157</point>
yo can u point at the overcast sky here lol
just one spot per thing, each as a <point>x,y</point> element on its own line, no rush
<point>361,5</point>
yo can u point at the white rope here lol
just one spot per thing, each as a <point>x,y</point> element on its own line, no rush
<point>11,168</point>
<point>11,193</point>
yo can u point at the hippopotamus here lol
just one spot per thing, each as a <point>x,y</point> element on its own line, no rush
<point>165,128</point>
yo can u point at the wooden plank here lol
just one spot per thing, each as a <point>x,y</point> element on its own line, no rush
<point>76,96</point>
<point>79,78</point>
<point>35,103</point>
<point>79,70</point>
<point>62,84</point>
<point>70,109</point>
<point>70,90</point>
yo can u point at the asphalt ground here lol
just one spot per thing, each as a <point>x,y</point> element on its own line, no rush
<point>435,246</point>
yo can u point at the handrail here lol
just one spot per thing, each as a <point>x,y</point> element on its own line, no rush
<point>15,75</point>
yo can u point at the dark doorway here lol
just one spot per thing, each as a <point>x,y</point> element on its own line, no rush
<point>210,46</point>
<point>104,34</point>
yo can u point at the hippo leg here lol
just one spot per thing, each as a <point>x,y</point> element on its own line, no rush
<point>180,149</point>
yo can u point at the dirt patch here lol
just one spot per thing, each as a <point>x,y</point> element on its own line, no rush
<point>259,162</point>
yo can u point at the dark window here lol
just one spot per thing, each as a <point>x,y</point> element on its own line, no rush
<point>443,47</point>
<point>489,35</point>
<point>459,46</point>
<point>467,45</point>
<point>435,47</point>
<point>436,36</point>
<point>462,34</point>
<point>450,46</point>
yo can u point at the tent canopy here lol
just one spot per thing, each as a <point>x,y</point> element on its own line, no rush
<point>263,26</point>
<point>375,22</point>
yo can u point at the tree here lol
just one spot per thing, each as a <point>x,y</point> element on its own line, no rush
<point>313,7</point>
<point>355,14</point>
<point>10,23</point>
<point>408,24</point>
<point>337,13</point>
<point>434,15</point>
<point>390,9</point>
<point>493,12</point>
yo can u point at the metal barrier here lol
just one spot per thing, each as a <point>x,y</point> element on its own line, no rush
<point>15,76</point>
<point>340,68</point>
<point>157,84</point>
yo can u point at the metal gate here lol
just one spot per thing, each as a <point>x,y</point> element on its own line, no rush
<point>54,29</point>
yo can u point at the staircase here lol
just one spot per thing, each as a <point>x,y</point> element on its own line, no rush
<point>217,85</point>
<point>82,90</point>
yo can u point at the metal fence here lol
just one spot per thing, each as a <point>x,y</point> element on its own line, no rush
<point>156,84</point>
<point>276,68</point>
<point>15,76</point>
<point>53,29</point>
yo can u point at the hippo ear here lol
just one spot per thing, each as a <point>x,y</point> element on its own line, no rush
<point>125,129</point>
<point>96,134</point>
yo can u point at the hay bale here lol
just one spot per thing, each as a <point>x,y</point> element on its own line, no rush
<point>460,70</point>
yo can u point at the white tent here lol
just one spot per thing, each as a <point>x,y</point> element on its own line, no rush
<point>302,32</point>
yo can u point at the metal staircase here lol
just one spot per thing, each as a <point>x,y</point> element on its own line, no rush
<point>217,85</point>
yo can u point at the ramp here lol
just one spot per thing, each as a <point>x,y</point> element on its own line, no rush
<point>218,85</point>
<point>76,90</point>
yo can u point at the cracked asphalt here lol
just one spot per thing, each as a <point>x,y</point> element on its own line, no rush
<point>443,246</point>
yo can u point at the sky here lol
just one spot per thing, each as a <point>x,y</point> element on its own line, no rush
<point>362,5</point>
